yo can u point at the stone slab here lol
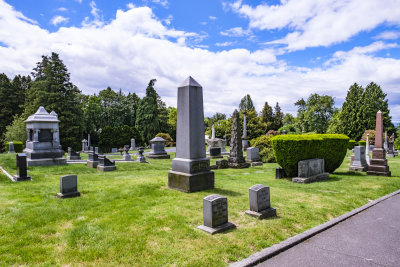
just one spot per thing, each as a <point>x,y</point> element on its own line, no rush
<point>92,164</point>
<point>258,163</point>
<point>217,229</point>
<point>68,195</point>
<point>20,179</point>
<point>314,178</point>
<point>159,156</point>
<point>190,182</point>
<point>263,214</point>
<point>358,168</point>
<point>239,165</point>
<point>73,158</point>
<point>46,162</point>
<point>103,168</point>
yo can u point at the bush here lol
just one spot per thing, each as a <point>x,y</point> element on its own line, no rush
<point>397,144</point>
<point>290,129</point>
<point>362,143</point>
<point>371,137</point>
<point>263,143</point>
<point>18,146</point>
<point>351,145</point>
<point>290,149</point>
<point>167,138</point>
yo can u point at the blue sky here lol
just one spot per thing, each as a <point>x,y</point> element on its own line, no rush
<point>277,51</point>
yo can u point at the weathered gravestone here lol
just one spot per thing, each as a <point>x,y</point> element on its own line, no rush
<point>22,168</point>
<point>260,204</point>
<point>126,156</point>
<point>359,162</point>
<point>106,165</point>
<point>390,149</point>
<point>215,215</point>
<point>253,156</point>
<point>141,158</point>
<point>236,159</point>
<point>93,159</point>
<point>11,147</point>
<point>68,187</point>
<point>279,173</point>
<point>190,168</point>
<point>72,155</point>
<point>132,144</point>
<point>215,152</point>
<point>245,142</point>
<point>311,170</point>
<point>84,145</point>
<point>158,149</point>
<point>222,164</point>
<point>378,165</point>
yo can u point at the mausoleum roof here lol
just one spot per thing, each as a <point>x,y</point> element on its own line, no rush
<point>42,115</point>
<point>157,139</point>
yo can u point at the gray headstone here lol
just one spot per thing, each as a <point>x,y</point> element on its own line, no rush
<point>11,147</point>
<point>280,173</point>
<point>260,205</point>
<point>311,170</point>
<point>190,168</point>
<point>359,162</point>
<point>22,168</point>
<point>132,144</point>
<point>158,149</point>
<point>215,214</point>
<point>68,186</point>
<point>105,164</point>
<point>253,154</point>
<point>72,155</point>
<point>114,150</point>
<point>141,158</point>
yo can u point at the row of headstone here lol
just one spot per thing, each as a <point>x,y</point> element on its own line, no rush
<point>215,209</point>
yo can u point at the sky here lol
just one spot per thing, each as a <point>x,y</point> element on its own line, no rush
<point>276,51</point>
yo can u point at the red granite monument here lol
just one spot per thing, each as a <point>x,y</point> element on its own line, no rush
<point>378,164</point>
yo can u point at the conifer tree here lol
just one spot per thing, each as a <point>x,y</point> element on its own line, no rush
<point>351,114</point>
<point>246,104</point>
<point>278,117</point>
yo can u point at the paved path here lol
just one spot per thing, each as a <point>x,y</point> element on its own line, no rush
<point>370,238</point>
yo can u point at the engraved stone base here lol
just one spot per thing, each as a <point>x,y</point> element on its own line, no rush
<point>103,168</point>
<point>92,164</point>
<point>46,162</point>
<point>73,158</point>
<point>217,229</point>
<point>159,156</point>
<point>379,167</point>
<point>267,213</point>
<point>69,195</point>
<point>237,165</point>
<point>359,168</point>
<point>190,182</point>
<point>19,179</point>
<point>318,177</point>
<point>255,163</point>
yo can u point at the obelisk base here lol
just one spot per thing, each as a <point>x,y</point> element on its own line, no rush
<point>190,182</point>
<point>378,165</point>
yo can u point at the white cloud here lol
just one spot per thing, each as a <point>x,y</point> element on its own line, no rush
<point>224,44</point>
<point>169,19</point>
<point>212,17</point>
<point>130,5</point>
<point>235,32</point>
<point>58,20</point>
<point>97,18</point>
<point>62,9</point>
<point>388,35</point>
<point>79,1</point>
<point>319,23</point>
<point>135,47</point>
<point>163,3</point>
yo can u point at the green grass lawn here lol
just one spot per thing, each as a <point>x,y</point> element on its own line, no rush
<point>130,217</point>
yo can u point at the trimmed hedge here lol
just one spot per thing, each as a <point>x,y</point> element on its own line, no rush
<point>352,144</point>
<point>362,143</point>
<point>18,146</point>
<point>290,149</point>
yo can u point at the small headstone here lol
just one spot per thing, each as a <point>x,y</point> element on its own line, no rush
<point>260,205</point>
<point>311,170</point>
<point>222,164</point>
<point>126,156</point>
<point>215,215</point>
<point>359,162</point>
<point>68,187</point>
<point>84,145</point>
<point>280,173</point>
<point>114,150</point>
<point>253,156</point>
<point>22,168</point>
<point>141,158</point>
<point>93,159</point>
<point>132,144</point>
<point>236,159</point>
<point>105,165</point>
<point>72,155</point>
<point>158,149</point>
<point>215,152</point>
<point>11,147</point>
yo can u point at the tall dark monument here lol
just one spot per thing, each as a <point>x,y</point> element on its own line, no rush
<point>236,159</point>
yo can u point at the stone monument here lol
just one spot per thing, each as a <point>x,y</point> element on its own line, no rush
<point>367,150</point>
<point>88,142</point>
<point>385,143</point>
<point>68,187</point>
<point>72,155</point>
<point>212,132</point>
<point>236,159</point>
<point>260,204</point>
<point>245,142</point>
<point>190,168</point>
<point>132,144</point>
<point>378,164</point>
<point>280,173</point>
<point>105,165</point>
<point>43,142</point>
<point>22,168</point>
<point>11,147</point>
<point>222,164</point>
<point>311,170</point>
<point>359,162</point>
<point>215,215</point>
<point>390,150</point>
<point>253,156</point>
<point>158,149</point>
<point>93,159</point>
<point>215,142</point>
<point>141,158</point>
<point>126,156</point>
<point>84,145</point>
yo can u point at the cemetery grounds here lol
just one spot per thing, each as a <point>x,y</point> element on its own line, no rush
<point>129,217</point>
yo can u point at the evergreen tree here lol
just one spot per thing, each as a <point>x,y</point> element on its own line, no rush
<point>52,89</point>
<point>147,120</point>
<point>267,115</point>
<point>278,117</point>
<point>246,104</point>
<point>351,114</point>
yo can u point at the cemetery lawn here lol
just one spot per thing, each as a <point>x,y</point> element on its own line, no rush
<point>129,217</point>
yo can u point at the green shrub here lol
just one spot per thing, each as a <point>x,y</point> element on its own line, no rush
<point>397,143</point>
<point>290,129</point>
<point>351,145</point>
<point>290,149</point>
<point>18,146</point>
<point>167,138</point>
<point>371,137</point>
<point>263,143</point>
<point>362,143</point>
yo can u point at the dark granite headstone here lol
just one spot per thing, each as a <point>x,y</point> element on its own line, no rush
<point>72,155</point>
<point>106,165</point>
<point>215,152</point>
<point>311,170</point>
<point>11,147</point>
<point>215,214</point>
<point>68,187</point>
<point>280,173</point>
<point>236,159</point>
<point>22,168</point>
<point>259,199</point>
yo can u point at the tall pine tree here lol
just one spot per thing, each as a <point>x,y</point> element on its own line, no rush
<point>351,114</point>
<point>278,117</point>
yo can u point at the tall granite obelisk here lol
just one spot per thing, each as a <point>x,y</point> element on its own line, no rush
<point>378,164</point>
<point>190,168</point>
<point>245,142</point>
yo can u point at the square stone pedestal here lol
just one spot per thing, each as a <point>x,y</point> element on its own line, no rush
<point>104,168</point>
<point>188,183</point>
<point>378,165</point>
<point>267,213</point>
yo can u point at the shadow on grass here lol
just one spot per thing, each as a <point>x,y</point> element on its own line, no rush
<point>225,192</point>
